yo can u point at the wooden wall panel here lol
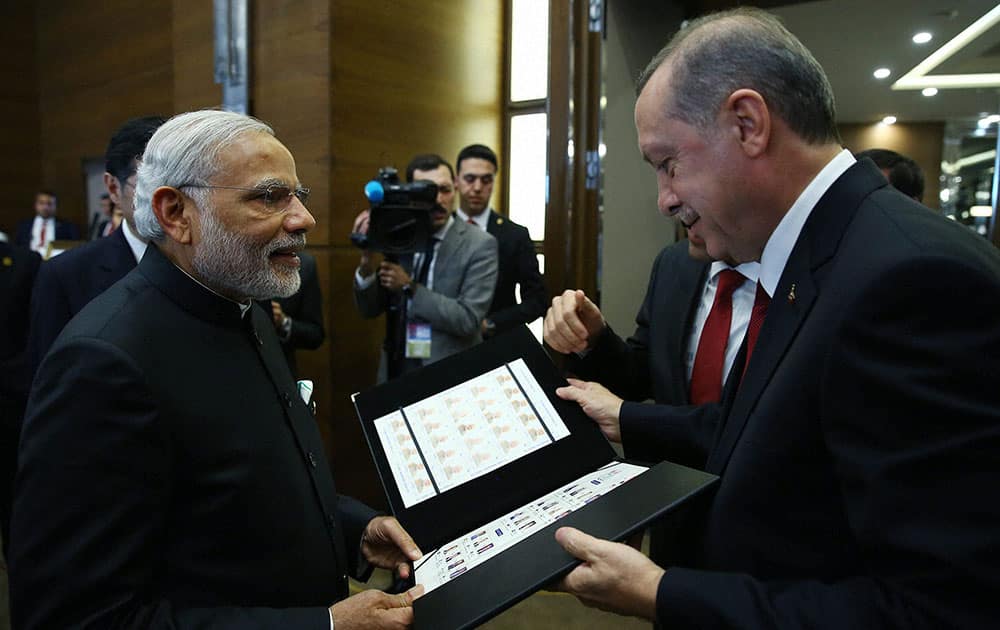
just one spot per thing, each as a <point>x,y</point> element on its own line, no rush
<point>20,155</point>
<point>194,57</point>
<point>98,64</point>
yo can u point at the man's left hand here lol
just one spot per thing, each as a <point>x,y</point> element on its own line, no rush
<point>613,577</point>
<point>598,403</point>
<point>386,544</point>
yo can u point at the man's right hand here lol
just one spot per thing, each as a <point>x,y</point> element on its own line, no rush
<point>572,323</point>
<point>374,610</point>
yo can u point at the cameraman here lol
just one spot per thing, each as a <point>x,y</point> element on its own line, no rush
<point>444,291</point>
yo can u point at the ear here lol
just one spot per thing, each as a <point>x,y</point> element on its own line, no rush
<point>173,212</point>
<point>114,188</point>
<point>751,119</point>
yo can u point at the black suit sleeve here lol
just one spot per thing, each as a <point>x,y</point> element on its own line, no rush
<point>95,496</point>
<point>909,411</point>
<point>534,295</point>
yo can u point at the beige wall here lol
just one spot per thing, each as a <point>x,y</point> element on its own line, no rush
<point>633,230</point>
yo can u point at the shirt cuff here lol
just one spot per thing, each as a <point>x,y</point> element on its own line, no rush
<point>331,618</point>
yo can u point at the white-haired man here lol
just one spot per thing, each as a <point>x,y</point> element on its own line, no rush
<point>170,474</point>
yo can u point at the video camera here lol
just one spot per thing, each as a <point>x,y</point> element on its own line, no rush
<point>400,220</point>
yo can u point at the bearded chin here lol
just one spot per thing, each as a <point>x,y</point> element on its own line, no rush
<point>235,265</point>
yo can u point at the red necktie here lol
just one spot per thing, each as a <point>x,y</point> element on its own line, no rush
<point>710,360</point>
<point>41,234</point>
<point>757,315</point>
<point>470,221</point>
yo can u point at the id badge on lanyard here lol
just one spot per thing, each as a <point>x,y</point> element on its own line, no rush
<point>418,340</point>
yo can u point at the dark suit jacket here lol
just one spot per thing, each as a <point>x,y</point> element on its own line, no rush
<point>69,282</point>
<point>18,267</point>
<point>859,454</point>
<point>650,363</point>
<point>518,264</point>
<point>65,231</point>
<point>171,476</point>
<point>306,310</point>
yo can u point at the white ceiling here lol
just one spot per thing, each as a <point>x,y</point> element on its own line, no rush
<point>850,38</point>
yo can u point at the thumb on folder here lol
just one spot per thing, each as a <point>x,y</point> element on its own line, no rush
<point>612,577</point>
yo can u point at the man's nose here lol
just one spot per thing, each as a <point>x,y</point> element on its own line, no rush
<point>298,218</point>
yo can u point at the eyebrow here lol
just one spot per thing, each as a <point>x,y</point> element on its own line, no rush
<point>275,181</point>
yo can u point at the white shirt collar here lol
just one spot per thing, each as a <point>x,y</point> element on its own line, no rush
<point>482,219</point>
<point>779,245</point>
<point>137,245</point>
<point>749,270</point>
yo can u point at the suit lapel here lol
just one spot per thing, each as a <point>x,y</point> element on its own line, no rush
<point>117,259</point>
<point>794,297</point>
<point>680,312</point>
<point>448,247</point>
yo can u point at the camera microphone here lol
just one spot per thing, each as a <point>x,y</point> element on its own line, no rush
<point>374,191</point>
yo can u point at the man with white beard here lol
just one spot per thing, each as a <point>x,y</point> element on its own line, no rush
<point>171,476</point>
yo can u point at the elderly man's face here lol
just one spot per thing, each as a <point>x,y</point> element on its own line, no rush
<point>696,172</point>
<point>243,246</point>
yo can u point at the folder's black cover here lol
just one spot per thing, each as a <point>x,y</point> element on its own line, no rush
<point>492,587</point>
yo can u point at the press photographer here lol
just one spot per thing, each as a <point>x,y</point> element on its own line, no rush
<point>435,296</point>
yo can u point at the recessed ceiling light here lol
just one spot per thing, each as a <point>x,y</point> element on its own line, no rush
<point>922,37</point>
<point>929,91</point>
<point>882,73</point>
<point>889,120</point>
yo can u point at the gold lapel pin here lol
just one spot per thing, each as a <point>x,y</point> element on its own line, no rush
<point>791,294</point>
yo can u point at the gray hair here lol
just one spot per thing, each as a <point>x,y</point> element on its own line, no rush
<point>717,54</point>
<point>184,151</point>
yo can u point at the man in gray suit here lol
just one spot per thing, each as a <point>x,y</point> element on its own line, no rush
<point>445,290</point>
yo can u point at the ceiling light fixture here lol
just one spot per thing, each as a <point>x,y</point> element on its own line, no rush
<point>922,37</point>
<point>881,73</point>
<point>929,91</point>
<point>981,211</point>
<point>889,120</point>
<point>917,79</point>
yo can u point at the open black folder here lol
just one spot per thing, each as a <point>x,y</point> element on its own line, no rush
<point>481,462</point>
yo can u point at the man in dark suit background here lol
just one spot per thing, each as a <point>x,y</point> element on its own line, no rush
<point>857,439</point>
<point>298,319</point>
<point>36,233</point>
<point>171,476</point>
<point>18,268</point>
<point>518,265</point>
<point>71,280</point>
<point>903,172</point>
